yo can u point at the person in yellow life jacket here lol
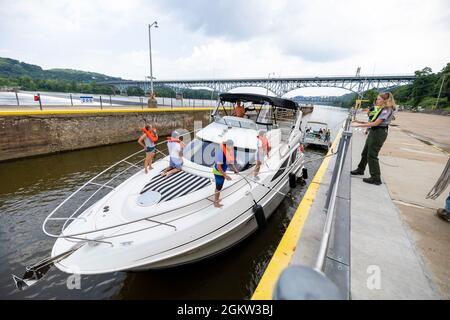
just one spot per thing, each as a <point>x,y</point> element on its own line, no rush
<point>175,147</point>
<point>262,150</point>
<point>374,110</point>
<point>148,140</point>
<point>224,158</point>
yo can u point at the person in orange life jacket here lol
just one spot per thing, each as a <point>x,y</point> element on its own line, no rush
<point>263,149</point>
<point>224,158</point>
<point>148,140</point>
<point>175,146</point>
<point>239,110</point>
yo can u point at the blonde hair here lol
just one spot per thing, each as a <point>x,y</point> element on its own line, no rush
<point>388,99</point>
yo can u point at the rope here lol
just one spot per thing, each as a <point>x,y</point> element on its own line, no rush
<point>441,184</point>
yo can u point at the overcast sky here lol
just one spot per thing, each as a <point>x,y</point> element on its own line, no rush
<point>228,38</point>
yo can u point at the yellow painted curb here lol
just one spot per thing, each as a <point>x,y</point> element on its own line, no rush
<point>97,111</point>
<point>286,248</point>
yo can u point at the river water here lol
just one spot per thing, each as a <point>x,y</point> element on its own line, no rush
<point>31,188</point>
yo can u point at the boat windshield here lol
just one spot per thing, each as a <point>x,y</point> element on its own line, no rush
<point>237,122</point>
<point>203,152</point>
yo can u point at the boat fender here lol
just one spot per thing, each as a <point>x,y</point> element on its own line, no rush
<point>292,180</point>
<point>304,173</point>
<point>258,211</point>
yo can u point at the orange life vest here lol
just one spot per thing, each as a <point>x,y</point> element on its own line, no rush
<point>265,143</point>
<point>228,155</point>
<point>170,139</point>
<point>150,135</point>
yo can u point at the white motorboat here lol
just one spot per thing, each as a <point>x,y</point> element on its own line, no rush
<point>317,133</point>
<point>151,222</point>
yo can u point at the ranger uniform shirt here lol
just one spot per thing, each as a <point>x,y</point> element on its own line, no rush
<point>386,115</point>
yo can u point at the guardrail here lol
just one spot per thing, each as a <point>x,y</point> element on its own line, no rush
<point>323,281</point>
<point>41,100</point>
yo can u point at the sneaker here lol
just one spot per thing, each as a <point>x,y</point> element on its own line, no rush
<point>444,215</point>
<point>357,172</point>
<point>372,181</point>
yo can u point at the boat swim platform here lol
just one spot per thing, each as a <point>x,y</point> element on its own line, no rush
<point>374,256</point>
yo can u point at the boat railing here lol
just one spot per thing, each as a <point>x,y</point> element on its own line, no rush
<point>107,185</point>
<point>111,174</point>
<point>96,181</point>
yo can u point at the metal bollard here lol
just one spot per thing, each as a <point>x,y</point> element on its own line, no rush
<point>17,98</point>
<point>304,283</point>
<point>71,101</point>
<point>101,103</point>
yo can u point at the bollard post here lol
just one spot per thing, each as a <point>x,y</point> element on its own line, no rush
<point>110,101</point>
<point>171,103</point>
<point>40,102</point>
<point>17,98</point>
<point>71,101</point>
<point>203,103</point>
<point>141,100</point>
<point>101,103</point>
<point>163,102</point>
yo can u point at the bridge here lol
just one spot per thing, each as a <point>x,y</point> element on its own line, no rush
<point>279,86</point>
<point>316,99</point>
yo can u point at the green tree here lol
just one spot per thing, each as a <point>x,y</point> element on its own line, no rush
<point>423,86</point>
<point>135,91</point>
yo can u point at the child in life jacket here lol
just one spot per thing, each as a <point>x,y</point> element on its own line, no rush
<point>148,140</point>
<point>175,147</point>
<point>263,149</point>
<point>224,158</point>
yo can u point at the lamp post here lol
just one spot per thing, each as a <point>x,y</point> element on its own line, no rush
<point>150,53</point>
<point>268,77</point>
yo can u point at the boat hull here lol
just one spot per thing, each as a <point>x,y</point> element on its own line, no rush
<point>269,203</point>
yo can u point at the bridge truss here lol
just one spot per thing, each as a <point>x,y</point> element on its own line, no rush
<point>279,86</point>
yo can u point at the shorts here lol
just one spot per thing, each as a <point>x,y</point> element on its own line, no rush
<point>220,180</point>
<point>177,164</point>
<point>150,149</point>
<point>259,157</point>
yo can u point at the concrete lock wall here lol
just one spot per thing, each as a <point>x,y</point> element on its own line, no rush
<point>31,135</point>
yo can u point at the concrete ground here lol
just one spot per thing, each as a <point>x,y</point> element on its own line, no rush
<point>432,128</point>
<point>412,159</point>
<point>382,247</point>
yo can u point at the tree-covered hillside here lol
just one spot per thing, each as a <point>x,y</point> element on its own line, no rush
<point>423,92</point>
<point>13,69</point>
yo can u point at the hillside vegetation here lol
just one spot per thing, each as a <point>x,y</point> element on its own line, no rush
<point>423,92</point>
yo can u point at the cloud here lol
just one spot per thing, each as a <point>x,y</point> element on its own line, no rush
<point>228,38</point>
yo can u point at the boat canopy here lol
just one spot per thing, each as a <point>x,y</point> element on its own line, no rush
<point>259,99</point>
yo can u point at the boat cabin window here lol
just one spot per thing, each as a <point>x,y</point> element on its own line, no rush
<point>203,152</point>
